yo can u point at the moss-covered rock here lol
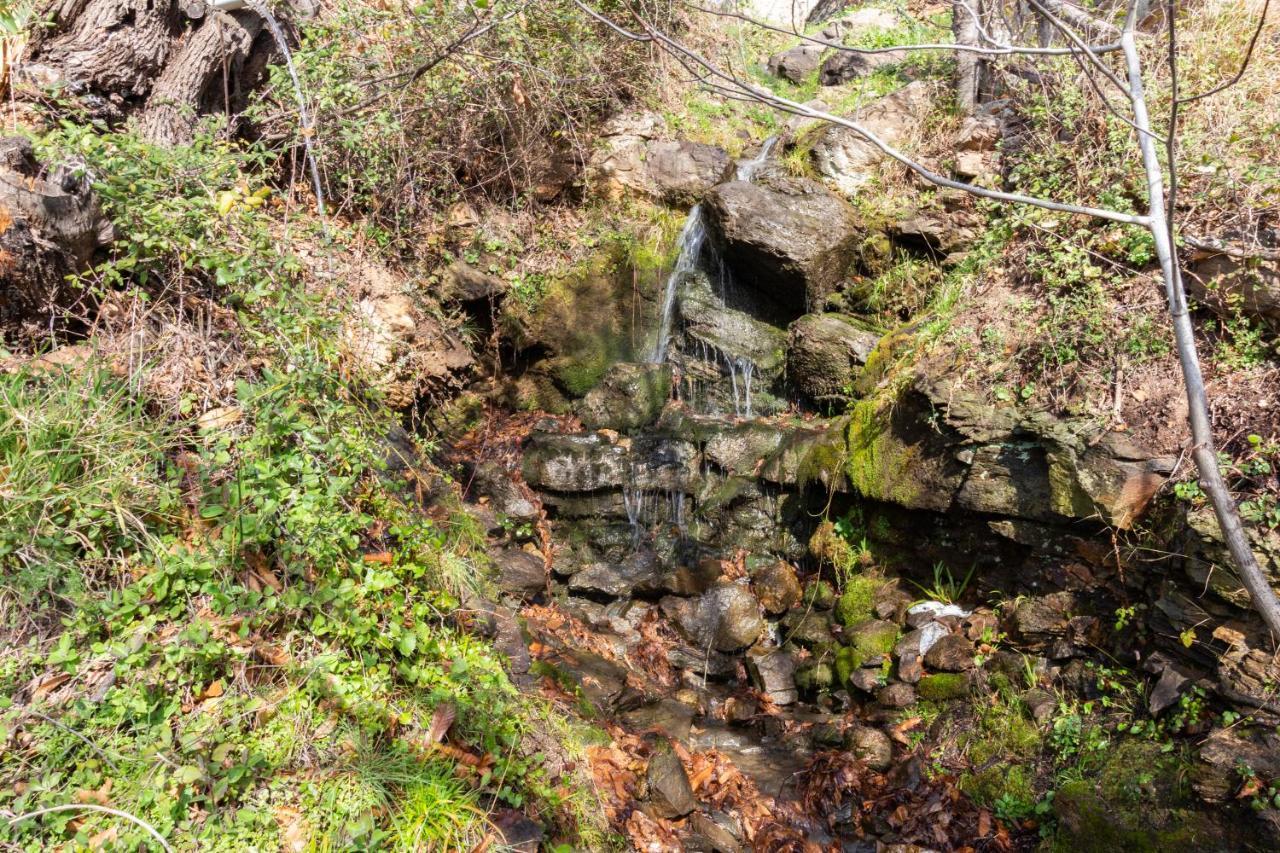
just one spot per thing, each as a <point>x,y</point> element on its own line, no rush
<point>943,686</point>
<point>871,638</point>
<point>857,602</point>
<point>819,595</point>
<point>1002,780</point>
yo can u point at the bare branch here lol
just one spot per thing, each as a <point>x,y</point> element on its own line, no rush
<point>1202,451</point>
<point>764,96</point>
<point>999,50</point>
<point>1210,244</point>
<point>1079,18</point>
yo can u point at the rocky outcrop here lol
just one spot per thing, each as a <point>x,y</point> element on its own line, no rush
<point>824,352</point>
<point>629,396</point>
<point>634,157</point>
<point>798,63</point>
<point>847,160</point>
<point>786,238</point>
<point>1231,279</point>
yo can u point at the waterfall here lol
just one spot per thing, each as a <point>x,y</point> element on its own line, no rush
<point>747,168</point>
<point>692,236</point>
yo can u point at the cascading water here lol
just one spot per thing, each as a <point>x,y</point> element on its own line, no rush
<point>692,249</point>
<point>692,237</point>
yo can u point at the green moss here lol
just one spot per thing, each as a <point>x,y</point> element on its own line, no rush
<point>858,600</point>
<point>815,677</point>
<point>999,781</point>
<point>872,638</point>
<point>819,595</point>
<point>942,686</point>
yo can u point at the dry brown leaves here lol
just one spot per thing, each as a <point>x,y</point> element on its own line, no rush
<point>548,620</point>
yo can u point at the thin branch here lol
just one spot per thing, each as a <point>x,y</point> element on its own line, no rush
<point>151,830</point>
<point>1001,50</point>
<point>1074,38</point>
<point>1244,66</point>
<point>767,97</point>
<point>1210,244</point>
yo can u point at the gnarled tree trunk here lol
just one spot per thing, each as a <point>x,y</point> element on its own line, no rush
<point>163,63</point>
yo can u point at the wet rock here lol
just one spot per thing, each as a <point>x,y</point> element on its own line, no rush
<point>641,571</point>
<point>575,463</point>
<point>823,352</point>
<point>789,239</point>
<point>730,331</point>
<point>520,573</point>
<point>796,64</point>
<point>726,617</point>
<point>629,396</point>
<point>717,834</point>
<point>740,448</point>
<point>667,716</point>
<point>897,695</point>
<point>952,653</point>
<point>773,673</point>
<point>815,677</point>
<point>807,629</point>
<point>669,793</point>
<point>846,159</point>
<point>505,495</point>
<point>691,580</point>
<point>777,588</point>
<point>871,745</point>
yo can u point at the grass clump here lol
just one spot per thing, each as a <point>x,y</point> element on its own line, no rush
<point>85,481</point>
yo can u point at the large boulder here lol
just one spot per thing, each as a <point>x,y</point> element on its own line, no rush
<point>823,353</point>
<point>634,157</point>
<point>726,617</point>
<point>844,66</point>
<point>847,160</point>
<point>629,396</point>
<point>798,63</point>
<point>730,332</point>
<point>787,238</point>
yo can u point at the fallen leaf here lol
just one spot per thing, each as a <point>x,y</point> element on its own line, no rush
<point>440,722</point>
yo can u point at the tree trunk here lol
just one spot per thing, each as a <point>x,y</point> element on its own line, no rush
<point>163,63</point>
<point>50,227</point>
<point>968,65</point>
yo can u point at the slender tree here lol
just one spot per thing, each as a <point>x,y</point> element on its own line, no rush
<point>983,34</point>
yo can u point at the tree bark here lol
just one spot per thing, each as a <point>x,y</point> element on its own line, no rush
<point>164,63</point>
<point>50,227</point>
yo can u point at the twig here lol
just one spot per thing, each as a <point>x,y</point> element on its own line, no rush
<point>92,808</point>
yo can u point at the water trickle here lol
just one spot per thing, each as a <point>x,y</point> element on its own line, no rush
<point>692,236</point>
<point>747,168</point>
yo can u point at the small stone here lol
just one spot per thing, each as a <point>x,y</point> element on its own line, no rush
<point>807,629</point>
<point>773,672</point>
<point>897,695</point>
<point>952,653</point>
<point>1167,690</point>
<point>819,595</point>
<point>1041,703</point>
<point>866,680</point>
<point>777,588</point>
<point>892,604</point>
<point>942,686</point>
<point>919,641</point>
<point>670,794</point>
<point>520,573</point>
<point>910,669</point>
<point>871,745</point>
<point>719,838</point>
